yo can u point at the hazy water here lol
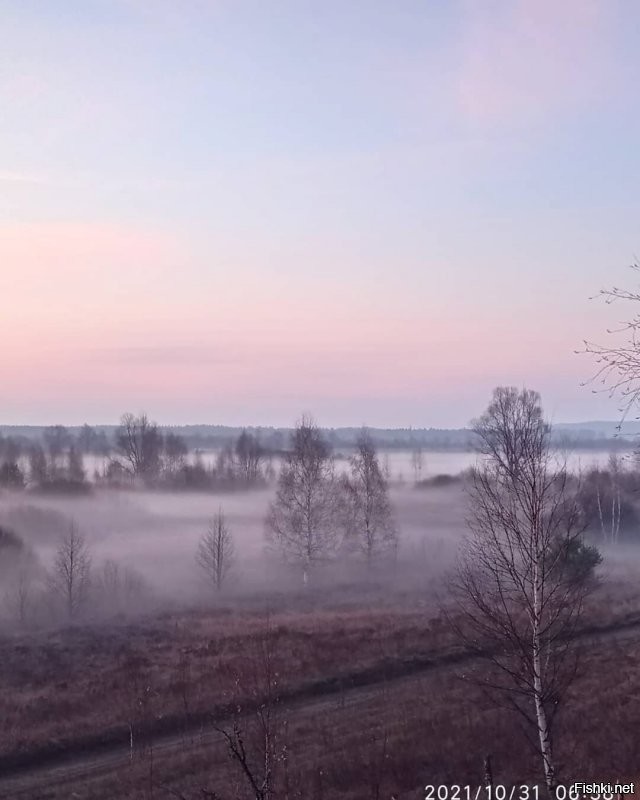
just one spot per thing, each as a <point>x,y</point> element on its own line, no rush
<point>401,463</point>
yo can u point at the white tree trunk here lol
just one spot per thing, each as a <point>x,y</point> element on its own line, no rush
<point>541,714</point>
<point>543,733</point>
<point>604,533</point>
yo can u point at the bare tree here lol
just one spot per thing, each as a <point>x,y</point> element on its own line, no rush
<point>417,462</point>
<point>606,499</point>
<point>249,455</point>
<point>10,449</point>
<point>615,470</point>
<point>115,583</point>
<point>269,469</point>
<point>257,742</point>
<point>19,595</point>
<point>71,571</point>
<point>260,751</point>
<point>618,365</point>
<point>386,468</point>
<point>57,438</point>
<point>215,554</point>
<point>139,442</point>
<point>110,580</point>
<point>17,568</point>
<point>175,450</point>
<point>11,476</point>
<point>301,522</point>
<point>75,466</point>
<point>524,571</point>
<point>86,439</point>
<point>38,468</point>
<point>225,469</point>
<point>368,513</point>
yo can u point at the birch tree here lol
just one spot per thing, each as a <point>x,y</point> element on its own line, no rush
<point>518,591</point>
<point>301,522</point>
<point>216,551</point>
<point>71,571</point>
<point>369,521</point>
<point>618,364</point>
<point>615,470</point>
<point>604,500</point>
<point>249,456</point>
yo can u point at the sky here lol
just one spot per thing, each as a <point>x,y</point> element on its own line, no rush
<point>234,211</point>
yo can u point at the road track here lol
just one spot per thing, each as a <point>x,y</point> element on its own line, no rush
<point>33,781</point>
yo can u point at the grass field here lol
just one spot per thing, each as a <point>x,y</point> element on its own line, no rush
<point>372,703</point>
<point>386,741</point>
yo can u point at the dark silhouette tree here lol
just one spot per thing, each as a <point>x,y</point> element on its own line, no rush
<point>215,554</point>
<point>249,454</point>
<point>70,577</point>
<point>139,443</point>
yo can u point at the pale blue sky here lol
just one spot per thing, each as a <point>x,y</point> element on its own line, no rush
<point>235,211</point>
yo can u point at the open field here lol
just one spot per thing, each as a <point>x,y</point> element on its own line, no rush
<point>385,739</point>
<point>79,694</point>
<point>65,689</point>
<point>157,533</point>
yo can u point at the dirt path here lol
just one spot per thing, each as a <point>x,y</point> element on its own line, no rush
<point>36,781</point>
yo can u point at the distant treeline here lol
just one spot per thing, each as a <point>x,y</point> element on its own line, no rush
<point>136,453</point>
<point>139,452</point>
<point>99,439</point>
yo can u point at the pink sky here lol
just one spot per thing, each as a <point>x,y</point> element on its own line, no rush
<point>373,216</point>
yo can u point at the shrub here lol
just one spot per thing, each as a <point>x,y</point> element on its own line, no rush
<point>11,476</point>
<point>438,481</point>
<point>64,486</point>
<point>577,559</point>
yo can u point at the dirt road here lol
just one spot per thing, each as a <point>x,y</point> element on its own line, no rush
<point>49,777</point>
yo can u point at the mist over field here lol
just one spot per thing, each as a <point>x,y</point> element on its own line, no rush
<point>156,532</point>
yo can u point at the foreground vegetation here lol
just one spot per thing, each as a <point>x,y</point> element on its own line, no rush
<point>366,701</point>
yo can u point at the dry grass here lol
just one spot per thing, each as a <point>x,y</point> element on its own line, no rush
<point>85,684</point>
<point>75,688</point>
<point>391,741</point>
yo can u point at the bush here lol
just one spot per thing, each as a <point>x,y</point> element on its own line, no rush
<point>193,476</point>
<point>64,486</point>
<point>438,481</point>
<point>576,559</point>
<point>11,476</point>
